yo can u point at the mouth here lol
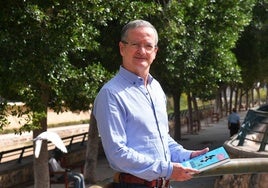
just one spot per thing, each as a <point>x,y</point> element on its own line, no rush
<point>140,58</point>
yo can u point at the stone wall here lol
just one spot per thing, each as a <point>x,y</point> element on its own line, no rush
<point>242,181</point>
<point>258,180</point>
<point>17,175</point>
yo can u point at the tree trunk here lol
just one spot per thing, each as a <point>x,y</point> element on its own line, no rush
<point>241,105</point>
<point>196,113</point>
<point>224,92</point>
<point>247,100</point>
<point>92,151</point>
<point>258,96</point>
<point>236,97</point>
<point>177,120</point>
<point>217,101</point>
<point>190,112</point>
<point>266,99</point>
<point>252,97</point>
<point>41,172</point>
<point>231,100</point>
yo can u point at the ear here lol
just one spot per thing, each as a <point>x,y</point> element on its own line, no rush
<point>155,52</point>
<point>121,48</point>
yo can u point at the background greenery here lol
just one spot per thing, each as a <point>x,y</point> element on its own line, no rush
<point>58,53</point>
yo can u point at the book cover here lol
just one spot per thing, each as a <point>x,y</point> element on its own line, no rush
<point>210,159</point>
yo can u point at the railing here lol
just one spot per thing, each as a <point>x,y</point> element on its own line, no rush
<point>204,112</point>
<point>19,153</point>
<point>255,128</point>
<point>238,166</point>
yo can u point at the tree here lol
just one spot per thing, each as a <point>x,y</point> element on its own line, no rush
<point>55,56</point>
<point>195,42</point>
<point>42,47</point>
<point>251,49</point>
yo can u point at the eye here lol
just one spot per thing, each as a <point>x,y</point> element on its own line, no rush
<point>149,46</point>
<point>135,45</point>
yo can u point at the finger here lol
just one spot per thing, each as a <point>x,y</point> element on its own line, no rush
<point>188,175</point>
<point>191,172</point>
<point>203,151</point>
<point>206,150</point>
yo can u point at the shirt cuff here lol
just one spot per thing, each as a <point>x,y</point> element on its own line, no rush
<point>169,170</point>
<point>186,156</point>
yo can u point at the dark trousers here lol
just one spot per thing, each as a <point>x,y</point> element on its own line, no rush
<point>234,127</point>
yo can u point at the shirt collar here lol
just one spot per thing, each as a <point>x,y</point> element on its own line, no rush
<point>133,78</point>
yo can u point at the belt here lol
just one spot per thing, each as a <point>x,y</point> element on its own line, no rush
<point>128,178</point>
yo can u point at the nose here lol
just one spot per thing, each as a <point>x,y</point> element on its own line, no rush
<point>141,49</point>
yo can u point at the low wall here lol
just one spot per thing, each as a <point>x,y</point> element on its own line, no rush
<point>257,180</point>
<point>14,174</point>
<point>17,175</point>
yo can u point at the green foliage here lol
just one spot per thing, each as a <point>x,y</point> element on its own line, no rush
<point>78,87</point>
<point>251,48</point>
<point>123,12</point>
<point>37,43</point>
<point>196,39</point>
<point>52,53</point>
<point>59,53</point>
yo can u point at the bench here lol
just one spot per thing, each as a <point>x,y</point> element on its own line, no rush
<point>215,117</point>
<point>54,177</point>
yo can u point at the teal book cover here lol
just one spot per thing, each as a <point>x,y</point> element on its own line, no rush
<point>209,160</point>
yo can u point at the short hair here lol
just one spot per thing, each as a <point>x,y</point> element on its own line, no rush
<point>57,154</point>
<point>135,24</point>
<point>234,109</point>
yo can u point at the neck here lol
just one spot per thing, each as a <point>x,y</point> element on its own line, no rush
<point>145,77</point>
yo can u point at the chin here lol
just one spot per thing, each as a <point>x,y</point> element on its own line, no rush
<point>142,64</point>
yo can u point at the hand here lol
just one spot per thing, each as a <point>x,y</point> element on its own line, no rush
<point>199,152</point>
<point>181,173</point>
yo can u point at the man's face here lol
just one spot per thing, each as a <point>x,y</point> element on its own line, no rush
<point>139,50</point>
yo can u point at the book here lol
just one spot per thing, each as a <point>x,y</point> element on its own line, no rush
<point>208,160</point>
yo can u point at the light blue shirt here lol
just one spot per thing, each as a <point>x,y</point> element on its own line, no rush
<point>133,125</point>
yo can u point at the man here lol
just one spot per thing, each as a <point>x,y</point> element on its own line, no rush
<point>55,163</point>
<point>132,120</point>
<point>233,122</point>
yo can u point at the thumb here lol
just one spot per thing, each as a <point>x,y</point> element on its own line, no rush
<point>199,152</point>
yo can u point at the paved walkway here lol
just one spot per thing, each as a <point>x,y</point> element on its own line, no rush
<point>211,135</point>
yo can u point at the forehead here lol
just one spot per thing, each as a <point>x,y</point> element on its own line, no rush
<point>141,33</point>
